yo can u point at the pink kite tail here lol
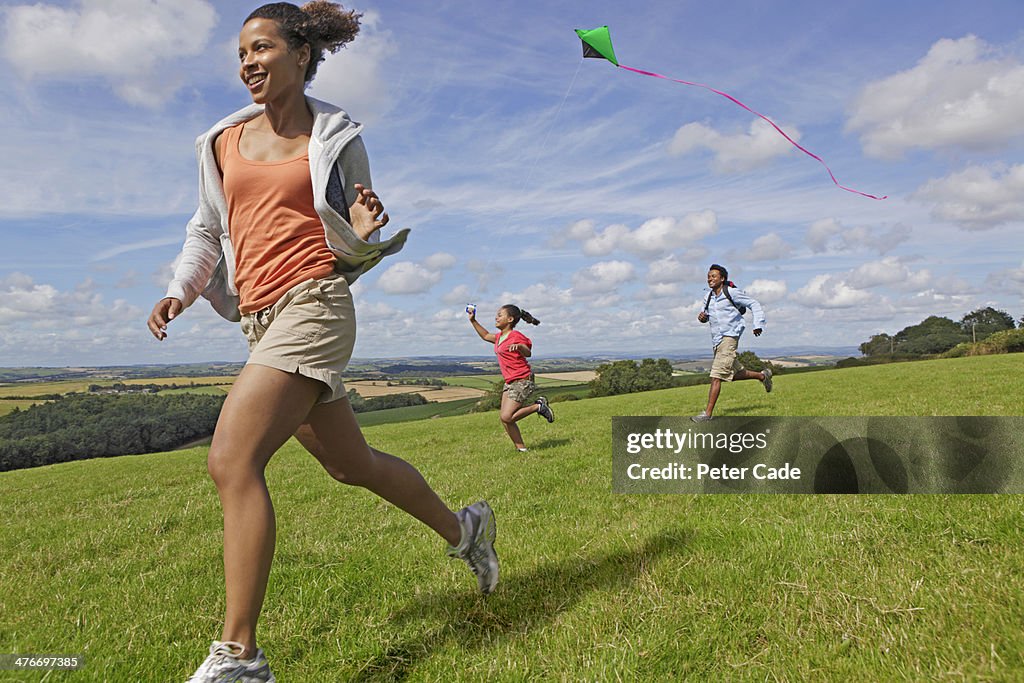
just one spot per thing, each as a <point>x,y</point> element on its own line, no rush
<point>781,132</point>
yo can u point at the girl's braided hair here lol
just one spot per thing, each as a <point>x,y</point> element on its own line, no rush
<point>324,26</point>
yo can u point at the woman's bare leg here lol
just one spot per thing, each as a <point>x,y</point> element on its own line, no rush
<point>263,409</point>
<point>332,435</point>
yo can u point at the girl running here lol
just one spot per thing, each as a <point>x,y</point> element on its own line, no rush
<point>286,222</point>
<point>513,348</point>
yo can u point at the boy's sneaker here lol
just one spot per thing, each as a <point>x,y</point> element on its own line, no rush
<point>545,410</point>
<point>476,548</point>
<point>767,381</point>
<point>523,450</point>
<point>224,666</point>
<point>703,417</point>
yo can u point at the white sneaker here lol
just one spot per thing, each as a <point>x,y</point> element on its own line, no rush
<point>476,548</point>
<point>224,666</point>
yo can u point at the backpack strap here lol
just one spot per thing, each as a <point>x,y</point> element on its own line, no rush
<point>741,309</point>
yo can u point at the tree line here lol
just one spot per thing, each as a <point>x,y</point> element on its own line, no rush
<point>937,334</point>
<point>365,405</point>
<point>77,427</point>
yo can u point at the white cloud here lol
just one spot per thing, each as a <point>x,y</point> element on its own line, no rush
<point>656,236</point>
<point>354,75</point>
<point>768,247</point>
<point>977,198</point>
<point>659,291</point>
<point>124,42</point>
<point>767,291</point>
<point>406,277</point>
<point>741,152</point>
<point>373,311</point>
<point>40,321</point>
<point>888,271</point>
<point>539,297</point>
<point>439,261</point>
<point>458,295</point>
<point>137,246</point>
<point>669,270</point>
<point>820,232</point>
<point>828,291</point>
<point>607,241</point>
<point>21,298</point>
<point>959,94</point>
<point>602,277</point>
<point>820,237</point>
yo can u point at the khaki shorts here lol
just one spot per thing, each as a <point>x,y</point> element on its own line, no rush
<point>725,364</point>
<point>519,390</point>
<point>311,331</point>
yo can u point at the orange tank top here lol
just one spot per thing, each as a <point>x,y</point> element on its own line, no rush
<point>276,234</point>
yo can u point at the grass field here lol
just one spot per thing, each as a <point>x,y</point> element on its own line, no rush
<point>8,405</point>
<point>119,559</point>
<point>485,382</point>
<point>68,386</point>
<point>410,413</point>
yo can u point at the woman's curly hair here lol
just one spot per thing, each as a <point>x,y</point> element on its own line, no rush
<point>324,26</point>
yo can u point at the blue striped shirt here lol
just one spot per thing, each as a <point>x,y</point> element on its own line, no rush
<point>725,319</point>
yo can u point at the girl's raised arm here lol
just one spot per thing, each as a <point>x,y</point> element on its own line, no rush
<point>480,329</point>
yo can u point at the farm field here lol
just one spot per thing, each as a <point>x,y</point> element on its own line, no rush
<point>119,559</point>
<point>371,388</point>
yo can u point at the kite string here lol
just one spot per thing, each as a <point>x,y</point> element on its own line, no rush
<point>757,113</point>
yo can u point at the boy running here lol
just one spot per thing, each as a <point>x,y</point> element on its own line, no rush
<point>724,309</point>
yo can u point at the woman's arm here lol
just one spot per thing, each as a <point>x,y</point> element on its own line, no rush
<point>480,329</point>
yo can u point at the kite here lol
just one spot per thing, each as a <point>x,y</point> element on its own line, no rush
<point>597,44</point>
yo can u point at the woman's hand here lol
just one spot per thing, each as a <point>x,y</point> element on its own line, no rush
<point>367,213</point>
<point>163,313</point>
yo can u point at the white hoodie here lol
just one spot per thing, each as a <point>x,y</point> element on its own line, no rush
<point>207,264</point>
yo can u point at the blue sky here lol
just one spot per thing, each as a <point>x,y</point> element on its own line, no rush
<point>591,196</point>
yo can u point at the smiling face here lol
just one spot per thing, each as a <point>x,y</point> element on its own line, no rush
<point>267,67</point>
<point>503,320</point>
<point>715,279</point>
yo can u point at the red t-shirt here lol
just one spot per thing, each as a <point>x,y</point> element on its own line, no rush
<point>513,365</point>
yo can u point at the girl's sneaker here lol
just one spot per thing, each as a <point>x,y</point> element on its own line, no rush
<point>545,410</point>
<point>224,666</point>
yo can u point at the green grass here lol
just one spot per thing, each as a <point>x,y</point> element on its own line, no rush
<point>8,405</point>
<point>119,558</point>
<point>410,413</point>
<point>484,382</point>
<point>79,385</point>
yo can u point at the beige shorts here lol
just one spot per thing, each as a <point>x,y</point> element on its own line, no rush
<point>311,331</point>
<point>519,390</point>
<point>725,364</point>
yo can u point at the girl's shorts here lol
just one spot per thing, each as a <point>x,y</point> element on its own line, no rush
<point>311,331</point>
<point>519,390</point>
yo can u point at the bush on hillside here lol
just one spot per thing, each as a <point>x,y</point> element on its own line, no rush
<point>627,376</point>
<point>1007,341</point>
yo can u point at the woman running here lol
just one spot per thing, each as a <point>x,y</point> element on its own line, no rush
<point>286,222</point>
<point>512,348</point>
